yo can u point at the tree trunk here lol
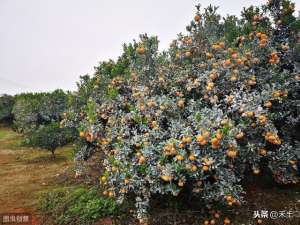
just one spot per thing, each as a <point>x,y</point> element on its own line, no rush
<point>53,154</point>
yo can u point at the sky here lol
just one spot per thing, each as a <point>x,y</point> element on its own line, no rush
<point>48,44</point>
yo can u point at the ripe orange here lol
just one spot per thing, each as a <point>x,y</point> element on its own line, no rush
<point>81,134</point>
<point>140,50</point>
<point>180,103</point>
<point>240,135</point>
<point>227,221</point>
<point>227,63</point>
<point>188,54</point>
<point>194,168</point>
<point>166,178</point>
<point>192,158</point>
<point>142,160</point>
<point>268,104</point>
<point>239,61</point>
<point>200,138</point>
<point>232,153</point>
<point>179,157</point>
<point>206,134</point>
<point>197,18</point>
<point>180,183</point>
<point>205,168</point>
<point>219,135</point>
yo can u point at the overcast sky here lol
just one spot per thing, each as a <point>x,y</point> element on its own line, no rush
<point>48,44</point>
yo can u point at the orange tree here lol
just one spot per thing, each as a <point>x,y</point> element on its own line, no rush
<point>32,110</point>
<point>222,101</point>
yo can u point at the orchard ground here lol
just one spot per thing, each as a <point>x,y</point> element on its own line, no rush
<point>26,174</point>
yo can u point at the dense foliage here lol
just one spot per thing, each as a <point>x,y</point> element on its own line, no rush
<point>221,102</point>
<point>32,110</point>
<point>6,105</point>
<point>51,137</point>
<point>78,206</point>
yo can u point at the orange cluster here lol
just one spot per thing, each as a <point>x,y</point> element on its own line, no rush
<point>202,139</point>
<point>274,58</point>
<point>262,119</point>
<point>272,138</point>
<point>263,39</point>
<point>218,46</point>
<point>210,86</point>
<point>232,153</point>
<point>170,149</point>
<point>230,200</point>
<point>215,142</point>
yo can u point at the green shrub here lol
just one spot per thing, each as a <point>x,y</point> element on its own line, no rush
<point>50,137</point>
<point>6,106</point>
<point>77,206</point>
<point>32,110</point>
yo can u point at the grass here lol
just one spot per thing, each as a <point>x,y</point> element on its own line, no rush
<point>25,173</point>
<point>77,206</point>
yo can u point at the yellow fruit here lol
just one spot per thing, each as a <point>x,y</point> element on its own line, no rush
<point>188,54</point>
<point>200,138</point>
<point>232,153</point>
<point>114,169</point>
<point>268,104</point>
<point>179,157</point>
<point>166,178</point>
<point>103,179</point>
<point>194,168</point>
<point>205,168</point>
<point>250,114</point>
<point>227,63</point>
<point>206,134</point>
<point>180,183</point>
<point>227,221</point>
<point>239,135</point>
<point>142,160</point>
<point>140,50</point>
<point>81,134</point>
<point>192,158</point>
<point>215,141</point>
<point>187,140</point>
<point>218,135</point>
<point>180,103</point>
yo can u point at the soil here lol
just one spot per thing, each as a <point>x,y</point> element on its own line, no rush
<point>25,174</point>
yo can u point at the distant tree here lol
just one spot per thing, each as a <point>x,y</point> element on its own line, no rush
<point>51,137</point>
<point>6,105</point>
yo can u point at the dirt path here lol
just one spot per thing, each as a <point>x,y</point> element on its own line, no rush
<point>26,173</point>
